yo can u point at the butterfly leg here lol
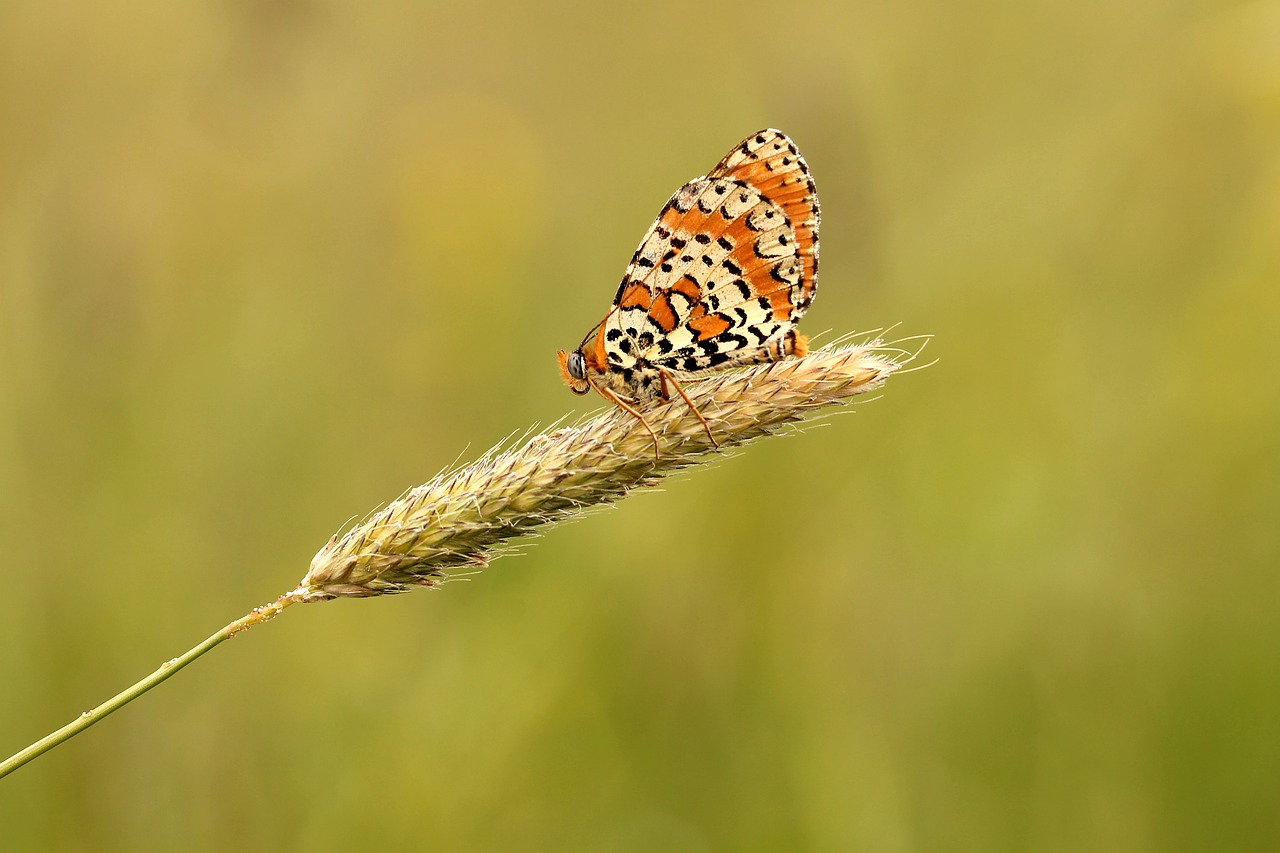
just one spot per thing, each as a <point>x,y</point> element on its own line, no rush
<point>667,377</point>
<point>622,404</point>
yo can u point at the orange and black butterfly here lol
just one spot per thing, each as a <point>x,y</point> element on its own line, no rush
<point>720,280</point>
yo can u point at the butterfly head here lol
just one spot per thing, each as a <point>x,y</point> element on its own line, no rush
<point>585,366</point>
<point>573,368</point>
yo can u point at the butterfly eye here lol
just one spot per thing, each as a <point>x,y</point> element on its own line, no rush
<point>576,366</point>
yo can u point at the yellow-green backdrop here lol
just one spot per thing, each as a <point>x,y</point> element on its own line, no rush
<point>265,265</point>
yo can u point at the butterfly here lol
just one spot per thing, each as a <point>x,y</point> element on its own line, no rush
<point>720,280</point>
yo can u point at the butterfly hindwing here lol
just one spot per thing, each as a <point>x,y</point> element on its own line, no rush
<point>728,267</point>
<point>770,162</point>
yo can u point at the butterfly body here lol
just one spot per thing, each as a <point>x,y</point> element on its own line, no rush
<point>719,280</point>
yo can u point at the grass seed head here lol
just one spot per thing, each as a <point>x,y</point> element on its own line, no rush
<point>462,519</point>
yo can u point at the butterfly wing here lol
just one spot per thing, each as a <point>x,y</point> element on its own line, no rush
<point>727,269</point>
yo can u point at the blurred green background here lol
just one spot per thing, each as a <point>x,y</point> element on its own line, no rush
<point>265,265</point>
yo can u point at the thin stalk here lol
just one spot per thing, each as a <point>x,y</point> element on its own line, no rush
<point>168,668</point>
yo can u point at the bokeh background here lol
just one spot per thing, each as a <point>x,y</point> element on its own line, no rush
<point>265,265</point>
